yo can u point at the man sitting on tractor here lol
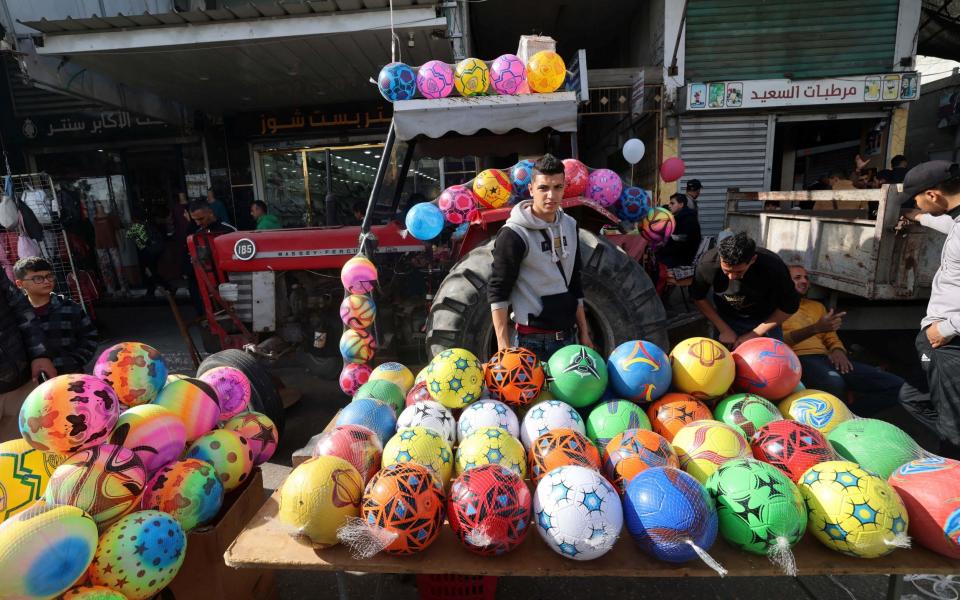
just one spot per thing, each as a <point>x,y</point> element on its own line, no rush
<point>536,271</point>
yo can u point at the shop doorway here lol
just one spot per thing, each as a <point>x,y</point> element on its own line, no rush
<point>154,177</point>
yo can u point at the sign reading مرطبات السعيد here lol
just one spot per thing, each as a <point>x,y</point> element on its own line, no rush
<point>762,93</point>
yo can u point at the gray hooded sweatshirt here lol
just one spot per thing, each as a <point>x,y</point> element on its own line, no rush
<point>536,270</point>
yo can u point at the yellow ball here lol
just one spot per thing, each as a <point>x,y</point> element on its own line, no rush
<point>702,367</point>
<point>492,445</point>
<point>422,446</point>
<point>546,72</point>
<point>396,374</point>
<point>817,409</point>
<point>454,378</point>
<point>421,376</point>
<point>852,510</point>
<point>24,474</point>
<point>318,497</point>
<point>471,77</point>
<point>703,446</point>
<point>493,188</point>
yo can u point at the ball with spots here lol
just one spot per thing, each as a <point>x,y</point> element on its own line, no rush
<point>69,413</point>
<point>228,452</point>
<point>560,447</point>
<point>432,415</point>
<point>232,388</point>
<point>135,371</point>
<point>92,592</point>
<point>188,490</point>
<point>353,376</point>
<point>260,433</point>
<point>458,205</point>
<point>489,508</point>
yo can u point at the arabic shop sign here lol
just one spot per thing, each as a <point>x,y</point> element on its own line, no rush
<point>763,93</point>
<point>90,126</point>
<point>302,121</point>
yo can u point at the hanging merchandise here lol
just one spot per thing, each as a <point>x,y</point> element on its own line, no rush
<point>546,72</point>
<point>633,151</point>
<point>672,169</point>
<point>508,74</point>
<point>471,77</point>
<point>397,82</point>
<point>435,79</point>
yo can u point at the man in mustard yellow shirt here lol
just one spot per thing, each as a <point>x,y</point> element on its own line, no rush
<point>811,332</point>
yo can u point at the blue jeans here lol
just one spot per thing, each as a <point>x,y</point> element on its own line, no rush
<point>741,325</point>
<point>544,345</point>
<point>873,389</point>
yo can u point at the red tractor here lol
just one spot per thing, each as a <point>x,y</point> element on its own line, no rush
<point>275,294</point>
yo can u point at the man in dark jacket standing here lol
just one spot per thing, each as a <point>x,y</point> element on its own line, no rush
<point>23,355</point>
<point>681,248</point>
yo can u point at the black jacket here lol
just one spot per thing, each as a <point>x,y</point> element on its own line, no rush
<point>21,336</point>
<point>681,248</point>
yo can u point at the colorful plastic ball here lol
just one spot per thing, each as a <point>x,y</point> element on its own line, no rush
<point>491,445</point>
<point>232,388</point>
<point>703,446</point>
<point>634,451</point>
<point>639,371</point>
<point>455,378</point>
<point>487,413</point>
<point>746,413</point>
<point>612,418</point>
<point>702,368</point>
<point>358,275</point>
<point>458,205</point>
<point>560,447</point>
<point>357,346</point>
<point>758,507</point>
<point>397,81</point>
<point>578,513</point>
<point>471,77</point>
<point>379,417</point>
<point>134,370</point>
<point>92,592</point>
<point>354,443</point>
<point>791,447</point>
<point>489,509</point>
<point>546,72</point>
<point>875,445</point>
<point>140,554</point>
<point>852,510</point>
<point>672,169</point>
<point>547,416</point>
<point>634,204</point>
<point>24,475</point>
<point>318,497</point>
<point>604,187</point>
<point>673,411</point>
<point>930,489</point>
<point>424,221</point>
<point>45,550</point>
<point>521,176</point>
<point>383,390</point>
<point>404,502</point>
<point>578,375</point>
<point>171,377</point>
<point>514,376</point>
<point>431,415</point>
<point>153,433</point>
<point>259,431</point>
<point>358,311</point>
<point>69,413</point>
<point>576,175</point>
<point>188,490</point>
<point>492,188</point>
<point>508,74</point>
<point>353,376</point>
<point>435,79</point>
<point>228,452</point>
<point>194,403</point>
<point>766,367</point>
<point>820,410</point>
<point>395,373</point>
<point>418,393</point>
<point>657,226</point>
<point>421,446</point>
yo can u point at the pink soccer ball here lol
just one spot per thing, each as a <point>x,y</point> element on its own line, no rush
<point>457,204</point>
<point>604,187</point>
<point>575,176</point>
<point>353,376</point>
<point>508,74</point>
<point>435,79</point>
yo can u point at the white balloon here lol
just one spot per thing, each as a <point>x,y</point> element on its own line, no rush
<point>633,151</point>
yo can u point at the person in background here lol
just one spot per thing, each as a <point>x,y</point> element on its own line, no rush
<point>839,180</point>
<point>68,333</point>
<point>681,248</point>
<point>150,243</point>
<point>219,208</point>
<point>263,219</point>
<point>206,220</point>
<point>771,205</point>
<point>811,332</point>
<point>358,211</point>
<point>694,187</point>
<point>898,168</point>
<point>105,228</point>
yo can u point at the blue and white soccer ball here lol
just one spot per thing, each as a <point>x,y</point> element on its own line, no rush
<point>487,413</point>
<point>432,415</point>
<point>397,81</point>
<point>546,416</point>
<point>634,203</point>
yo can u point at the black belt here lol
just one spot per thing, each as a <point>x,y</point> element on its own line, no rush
<point>557,336</point>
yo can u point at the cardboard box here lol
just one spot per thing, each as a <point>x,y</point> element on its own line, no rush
<point>204,575</point>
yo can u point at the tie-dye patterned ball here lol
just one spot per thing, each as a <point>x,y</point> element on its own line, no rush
<point>232,387</point>
<point>134,370</point>
<point>154,433</point>
<point>188,490</point>
<point>69,413</point>
<point>228,452</point>
<point>195,404</point>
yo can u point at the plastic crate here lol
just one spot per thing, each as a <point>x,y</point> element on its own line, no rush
<point>456,587</point>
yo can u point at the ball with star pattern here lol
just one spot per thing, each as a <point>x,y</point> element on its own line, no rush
<point>487,413</point>
<point>259,431</point>
<point>546,416</point>
<point>431,415</point>
<point>422,446</point>
<point>491,445</point>
<point>454,378</point>
<point>489,509</point>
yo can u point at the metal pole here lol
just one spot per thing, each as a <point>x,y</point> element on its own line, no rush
<point>329,202</point>
<point>378,182</point>
<point>306,187</point>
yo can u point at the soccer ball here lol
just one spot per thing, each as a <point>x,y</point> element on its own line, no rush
<point>357,346</point>
<point>766,367</point>
<point>852,510</point>
<point>396,82</point>
<point>634,451</point>
<point>487,413</point>
<point>455,378</point>
<point>547,415</point>
<point>421,446</point>
<point>578,375</point>
<point>492,188</point>
<point>471,77</point>
<point>521,176</point>
<point>435,79</point>
<point>604,187</point>
<point>515,376</point>
<point>875,445</point>
<point>355,444</point>
<point>930,489</point>
<point>746,413</point>
<point>458,205</point>
<point>418,393</point>
<point>611,418</point>
<point>561,447</point>
<point>489,509</point>
<point>431,415</point>
<point>353,376</point>
<point>507,74</point>
<point>634,203</point>
<point>702,368</point>
<point>657,226</point>
<point>406,501</point>
<point>546,72</point>
<point>703,446</point>
<point>820,410</point>
<point>578,513</point>
<point>672,411</point>
<point>491,445</point>
<point>639,371</point>
<point>791,447</point>
<point>575,178</point>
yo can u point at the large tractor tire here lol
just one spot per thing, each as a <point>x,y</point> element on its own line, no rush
<point>263,397</point>
<point>621,301</point>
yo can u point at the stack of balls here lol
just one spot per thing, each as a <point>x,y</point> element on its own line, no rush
<point>358,345</point>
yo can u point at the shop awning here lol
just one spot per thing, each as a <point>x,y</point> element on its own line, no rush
<point>497,114</point>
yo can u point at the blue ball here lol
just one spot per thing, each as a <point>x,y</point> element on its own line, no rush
<point>521,175</point>
<point>459,233</point>
<point>639,371</point>
<point>424,221</point>
<point>375,415</point>
<point>397,81</point>
<point>634,203</point>
<point>664,507</point>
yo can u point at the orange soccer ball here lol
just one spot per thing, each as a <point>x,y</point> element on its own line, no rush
<point>672,411</point>
<point>515,376</point>
<point>405,500</point>
<point>558,448</point>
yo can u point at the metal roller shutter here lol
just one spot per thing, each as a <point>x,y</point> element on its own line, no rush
<point>723,152</point>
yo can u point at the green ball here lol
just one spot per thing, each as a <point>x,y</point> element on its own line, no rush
<point>746,413</point>
<point>578,375</point>
<point>383,390</point>
<point>875,445</point>
<point>757,505</point>
<point>608,419</point>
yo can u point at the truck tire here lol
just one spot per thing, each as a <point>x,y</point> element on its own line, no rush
<point>263,393</point>
<point>621,301</point>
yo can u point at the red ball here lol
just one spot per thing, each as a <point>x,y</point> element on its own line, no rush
<point>791,447</point>
<point>575,178</point>
<point>355,444</point>
<point>353,376</point>
<point>766,367</point>
<point>672,169</point>
<point>418,393</point>
<point>489,509</point>
<point>930,489</point>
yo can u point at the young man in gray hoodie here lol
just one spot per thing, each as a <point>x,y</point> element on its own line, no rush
<point>536,271</point>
